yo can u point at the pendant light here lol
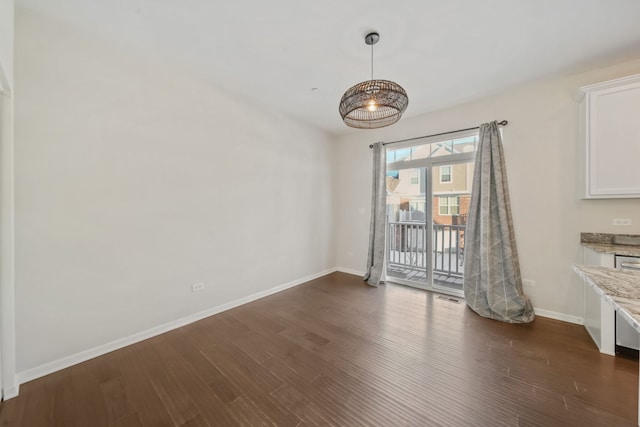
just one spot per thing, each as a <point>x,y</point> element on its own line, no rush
<point>374,103</point>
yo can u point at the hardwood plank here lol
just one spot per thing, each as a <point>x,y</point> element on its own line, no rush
<point>130,420</point>
<point>175,400</point>
<point>64,401</point>
<point>91,408</point>
<point>301,405</point>
<point>336,352</point>
<point>115,400</point>
<point>248,414</point>
<point>334,410</point>
<point>197,421</point>
<point>137,369</point>
<point>256,383</point>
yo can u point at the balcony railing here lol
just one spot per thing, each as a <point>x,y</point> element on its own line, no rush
<point>407,247</point>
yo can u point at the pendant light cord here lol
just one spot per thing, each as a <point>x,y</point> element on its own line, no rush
<point>371,61</point>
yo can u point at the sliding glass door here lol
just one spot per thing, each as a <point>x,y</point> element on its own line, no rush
<point>450,197</point>
<point>407,255</point>
<point>428,194</point>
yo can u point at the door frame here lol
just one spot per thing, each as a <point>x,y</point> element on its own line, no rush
<point>429,164</point>
<point>9,386</point>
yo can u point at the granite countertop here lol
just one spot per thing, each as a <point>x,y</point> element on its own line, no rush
<point>620,288</point>
<point>611,248</point>
<point>606,243</point>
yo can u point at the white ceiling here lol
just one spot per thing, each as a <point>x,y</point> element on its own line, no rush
<point>300,56</point>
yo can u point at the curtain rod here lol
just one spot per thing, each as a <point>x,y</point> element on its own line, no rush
<point>502,123</point>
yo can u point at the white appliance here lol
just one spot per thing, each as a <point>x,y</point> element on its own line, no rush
<point>626,336</point>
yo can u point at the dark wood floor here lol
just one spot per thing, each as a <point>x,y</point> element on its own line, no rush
<point>337,352</point>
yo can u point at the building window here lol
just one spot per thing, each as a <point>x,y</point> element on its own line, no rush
<point>415,179</point>
<point>445,174</point>
<point>449,205</point>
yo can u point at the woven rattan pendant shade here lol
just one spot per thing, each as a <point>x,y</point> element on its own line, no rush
<point>374,103</point>
<point>389,98</point>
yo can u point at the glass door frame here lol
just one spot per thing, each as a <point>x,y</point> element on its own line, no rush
<point>429,164</point>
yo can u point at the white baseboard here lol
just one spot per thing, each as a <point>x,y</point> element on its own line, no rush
<point>559,316</point>
<point>83,356</point>
<point>350,271</point>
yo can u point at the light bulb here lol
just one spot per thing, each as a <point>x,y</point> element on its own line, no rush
<point>372,105</point>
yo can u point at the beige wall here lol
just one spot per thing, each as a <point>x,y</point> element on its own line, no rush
<point>541,148</point>
<point>136,179</point>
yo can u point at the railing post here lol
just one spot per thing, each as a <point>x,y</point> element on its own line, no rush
<point>450,241</point>
<point>436,234</point>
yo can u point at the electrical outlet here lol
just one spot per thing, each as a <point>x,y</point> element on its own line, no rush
<point>621,221</point>
<point>197,287</point>
<point>528,282</point>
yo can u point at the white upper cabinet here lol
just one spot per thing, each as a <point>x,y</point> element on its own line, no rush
<point>610,128</point>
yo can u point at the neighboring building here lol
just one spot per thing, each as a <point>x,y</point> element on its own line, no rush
<point>451,186</point>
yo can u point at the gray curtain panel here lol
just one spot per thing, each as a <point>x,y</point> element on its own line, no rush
<point>492,282</point>
<point>375,260</point>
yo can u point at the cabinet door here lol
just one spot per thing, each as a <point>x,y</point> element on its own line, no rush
<point>613,139</point>
<point>591,257</point>
<point>599,315</point>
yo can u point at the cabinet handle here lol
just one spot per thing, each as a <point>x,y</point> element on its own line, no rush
<point>630,265</point>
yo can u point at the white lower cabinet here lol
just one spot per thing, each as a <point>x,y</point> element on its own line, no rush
<point>599,316</point>
<point>599,320</point>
